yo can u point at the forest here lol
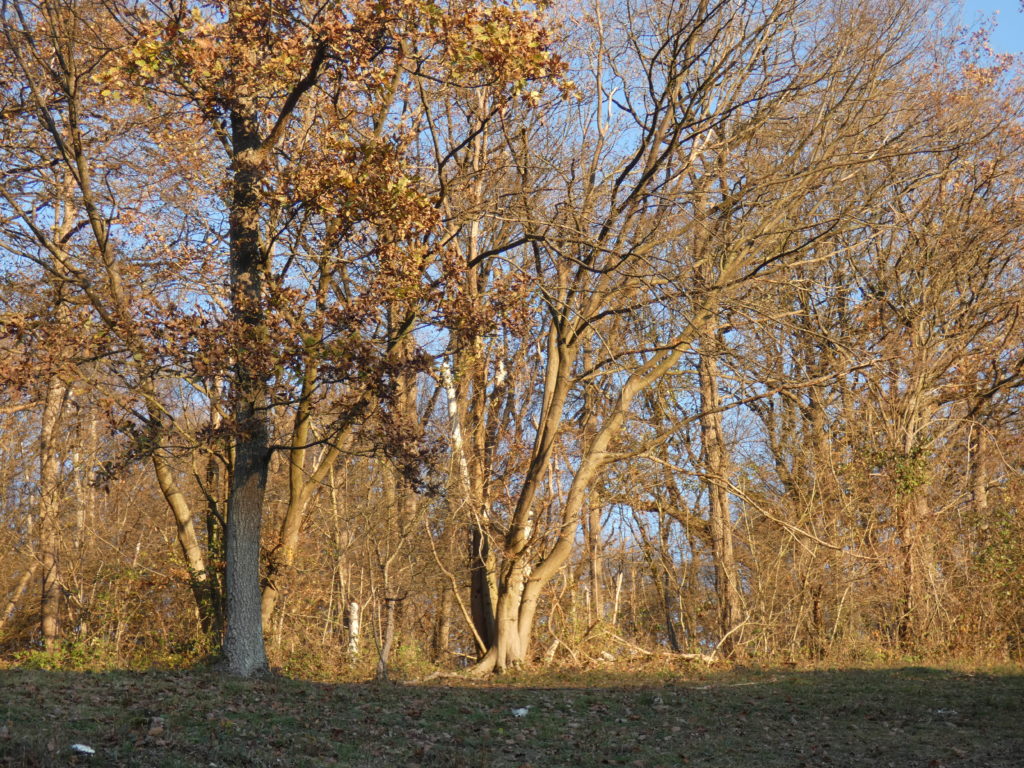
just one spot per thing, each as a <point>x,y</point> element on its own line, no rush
<point>367,338</point>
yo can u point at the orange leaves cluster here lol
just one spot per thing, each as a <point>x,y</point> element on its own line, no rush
<point>359,181</point>
<point>340,77</point>
<point>499,44</point>
<point>229,53</point>
<point>468,313</point>
<point>39,342</point>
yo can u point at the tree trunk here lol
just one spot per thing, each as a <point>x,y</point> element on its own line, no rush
<point>244,650</point>
<point>716,470</point>
<point>481,596</point>
<point>49,511</point>
<point>670,624</point>
<point>513,635</point>
<point>521,583</point>
<point>390,611</point>
<point>19,590</point>
<point>979,472</point>
<point>910,627</point>
<point>594,551</point>
<point>352,619</point>
<point>443,626</point>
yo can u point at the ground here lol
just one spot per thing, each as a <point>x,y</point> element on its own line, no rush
<point>902,717</point>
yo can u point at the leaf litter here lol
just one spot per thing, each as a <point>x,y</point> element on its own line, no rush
<point>739,718</point>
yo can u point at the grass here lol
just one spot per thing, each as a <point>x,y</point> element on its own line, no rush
<point>859,717</point>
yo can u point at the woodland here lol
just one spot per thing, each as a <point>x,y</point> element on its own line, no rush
<point>367,338</point>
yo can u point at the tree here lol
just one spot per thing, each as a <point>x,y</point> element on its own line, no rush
<point>725,329</point>
<point>661,219</point>
<point>303,103</point>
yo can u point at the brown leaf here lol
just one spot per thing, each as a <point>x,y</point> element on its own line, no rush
<point>157,726</point>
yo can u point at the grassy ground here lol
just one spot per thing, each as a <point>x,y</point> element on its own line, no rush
<point>898,717</point>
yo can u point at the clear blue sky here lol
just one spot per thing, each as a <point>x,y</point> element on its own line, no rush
<point>1009,34</point>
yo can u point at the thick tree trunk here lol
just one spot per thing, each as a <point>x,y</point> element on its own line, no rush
<point>508,648</point>
<point>244,650</point>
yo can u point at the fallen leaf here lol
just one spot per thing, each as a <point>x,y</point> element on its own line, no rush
<point>157,725</point>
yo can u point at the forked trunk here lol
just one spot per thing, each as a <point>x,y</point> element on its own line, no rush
<point>512,628</point>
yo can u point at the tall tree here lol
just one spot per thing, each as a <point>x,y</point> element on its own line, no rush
<point>261,78</point>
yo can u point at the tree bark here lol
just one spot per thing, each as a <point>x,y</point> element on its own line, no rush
<point>442,626</point>
<point>244,650</point>
<point>352,618</point>
<point>481,595</point>
<point>594,552</point>
<point>716,471</point>
<point>978,446</point>
<point>187,541</point>
<point>49,511</point>
<point>19,590</point>
<point>390,614</point>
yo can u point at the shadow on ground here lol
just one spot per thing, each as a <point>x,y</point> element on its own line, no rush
<point>898,717</point>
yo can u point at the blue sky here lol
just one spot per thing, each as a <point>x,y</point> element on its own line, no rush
<point>1009,34</point>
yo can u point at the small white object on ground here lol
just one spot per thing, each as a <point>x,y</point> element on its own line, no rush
<point>521,711</point>
<point>82,749</point>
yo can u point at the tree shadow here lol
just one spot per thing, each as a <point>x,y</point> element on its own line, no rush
<point>905,716</point>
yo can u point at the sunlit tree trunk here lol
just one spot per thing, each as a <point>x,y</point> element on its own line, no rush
<point>19,590</point>
<point>715,457</point>
<point>49,513</point>
<point>188,542</point>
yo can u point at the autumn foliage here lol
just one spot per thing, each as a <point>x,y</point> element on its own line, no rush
<point>483,334</point>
